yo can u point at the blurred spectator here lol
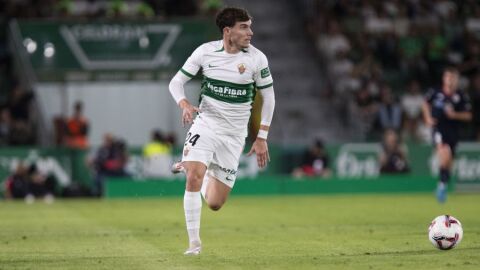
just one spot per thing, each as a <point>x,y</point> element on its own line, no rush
<point>386,50</point>
<point>411,48</point>
<point>436,52</point>
<point>29,183</point>
<point>333,41</point>
<point>315,162</point>
<point>341,68</point>
<point>171,138</point>
<point>393,157</point>
<point>379,23</point>
<point>76,129</point>
<point>41,184</point>
<point>368,66</point>
<point>471,60</point>
<point>157,156</point>
<point>454,28</point>
<point>16,185</point>
<point>363,109</point>
<point>185,8</point>
<point>211,7</point>
<point>472,23</point>
<point>5,122</point>
<point>412,107</point>
<point>389,114</point>
<point>20,106</point>
<point>109,161</point>
<point>102,9</point>
<point>117,9</point>
<point>64,8</point>
<point>20,103</point>
<point>145,11</point>
<point>444,8</point>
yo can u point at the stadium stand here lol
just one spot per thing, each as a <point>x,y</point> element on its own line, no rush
<point>331,62</point>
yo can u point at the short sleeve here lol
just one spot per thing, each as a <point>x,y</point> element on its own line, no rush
<point>464,104</point>
<point>263,78</point>
<point>193,63</point>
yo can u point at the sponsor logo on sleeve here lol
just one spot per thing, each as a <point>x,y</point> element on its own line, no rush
<point>265,72</point>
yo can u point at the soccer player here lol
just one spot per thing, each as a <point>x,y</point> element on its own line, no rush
<point>443,110</point>
<point>233,70</point>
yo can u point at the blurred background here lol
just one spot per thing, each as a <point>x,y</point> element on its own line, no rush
<point>85,107</point>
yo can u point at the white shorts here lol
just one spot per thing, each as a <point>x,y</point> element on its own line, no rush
<point>220,153</point>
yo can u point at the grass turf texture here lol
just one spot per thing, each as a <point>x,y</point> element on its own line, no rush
<point>271,232</point>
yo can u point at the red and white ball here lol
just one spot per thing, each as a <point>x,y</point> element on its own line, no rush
<point>445,232</point>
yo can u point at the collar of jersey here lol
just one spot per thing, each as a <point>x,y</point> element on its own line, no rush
<point>223,49</point>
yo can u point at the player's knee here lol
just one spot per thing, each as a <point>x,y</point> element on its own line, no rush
<point>445,161</point>
<point>194,180</point>
<point>215,206</point>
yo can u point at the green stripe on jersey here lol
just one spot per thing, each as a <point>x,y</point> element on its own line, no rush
<point>227,91</point>
<point>265,86</point>
<point>186,73</point>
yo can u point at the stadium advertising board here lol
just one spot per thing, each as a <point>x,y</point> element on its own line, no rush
<point>83,51</point>
<point>467,164</point>
<point>49,161</point>
<point>351,162</point>
<point>68,165</point>
<point>360,160</point>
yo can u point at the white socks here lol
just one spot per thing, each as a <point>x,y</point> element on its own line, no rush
<point>192,204</point>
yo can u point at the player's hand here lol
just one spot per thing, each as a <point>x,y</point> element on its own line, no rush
<point>260,148</point>
<point>188,111</point>
<point>430,121</point>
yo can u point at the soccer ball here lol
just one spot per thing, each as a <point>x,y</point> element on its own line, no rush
<point>445,232</point>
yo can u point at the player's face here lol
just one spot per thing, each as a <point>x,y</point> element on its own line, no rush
<point>450,81</point>
<point>241,34</point>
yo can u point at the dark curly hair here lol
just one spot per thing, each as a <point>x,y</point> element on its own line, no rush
<point>228,16</point>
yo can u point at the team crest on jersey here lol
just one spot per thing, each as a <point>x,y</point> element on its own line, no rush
<point>456,98</point>
<point>185,151</point>
<point>241,68</point>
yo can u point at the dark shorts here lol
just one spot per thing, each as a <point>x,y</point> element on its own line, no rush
<point>439,138</point>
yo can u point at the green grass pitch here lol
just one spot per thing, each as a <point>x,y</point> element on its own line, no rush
<point>250,232</point>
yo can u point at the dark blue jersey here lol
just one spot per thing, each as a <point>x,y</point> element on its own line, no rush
<point>447,128</point>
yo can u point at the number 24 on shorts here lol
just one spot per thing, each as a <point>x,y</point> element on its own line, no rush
<point>191,139</point>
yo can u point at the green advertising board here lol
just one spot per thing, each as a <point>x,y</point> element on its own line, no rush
<point>57,162</point>
<point>467,165</point>
<point>350,163</point>
<point>148,50</point>
<point>360,160</point>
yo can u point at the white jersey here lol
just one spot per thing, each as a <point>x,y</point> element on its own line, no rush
<point>228,86</point>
